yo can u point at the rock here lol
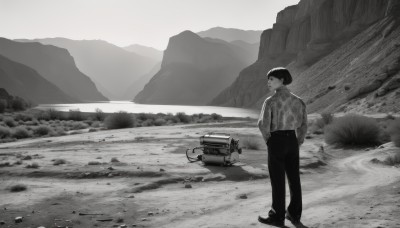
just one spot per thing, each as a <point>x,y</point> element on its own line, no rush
<point>242,196</point>
<point>2,222</point>
<point>41,227</point>
<point>110,168</point>
<point>18,219</point>
<point>162,170</point>
<point>381,147</point>
<point>188,186</point>
<point>123,226</point>
<point>28,157</point>
<point>144,219</point>
<point>120,220</point>
<point>150,213</point>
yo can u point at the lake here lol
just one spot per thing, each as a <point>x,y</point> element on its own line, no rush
<point>128,106</point>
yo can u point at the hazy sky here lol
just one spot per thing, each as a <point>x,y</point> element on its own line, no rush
<point>125,22</point>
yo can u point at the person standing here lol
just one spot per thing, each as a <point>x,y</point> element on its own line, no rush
<point>283,125</point>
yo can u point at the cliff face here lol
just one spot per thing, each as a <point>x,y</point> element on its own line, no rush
<point>193,71</point>
<point>302,35</point>
<point>54,64</point>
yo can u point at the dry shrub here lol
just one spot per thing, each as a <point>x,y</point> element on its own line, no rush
<point>119,120</point>
<point>393,160</point>
<point>159,122</point>
<point>21,132</point>
<point>394,131</point>
<point>9,121</point>
<point>5,132</point>
<point>94,163</point>
<point>114,160</point>
<point>59,161</point>
<point>78,125</point>
<point>250,143</point>
<point>99,115</point>
<point>18,188</point>
<point>75,115</point>
<point>32,166</point>
<point>353,130</point>
<point>42,130</point>
<point>183,117</point>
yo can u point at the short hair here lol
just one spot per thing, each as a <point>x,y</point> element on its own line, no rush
<point>281,73</point>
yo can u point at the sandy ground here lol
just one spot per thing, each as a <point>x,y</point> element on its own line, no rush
<point>146,188</point>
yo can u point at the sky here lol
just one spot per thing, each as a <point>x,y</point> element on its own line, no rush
<point>125,22</point>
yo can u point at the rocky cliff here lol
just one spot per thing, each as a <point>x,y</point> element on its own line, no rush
<point>54,64</point>
<point>301,37</point>
<point>193,71</point>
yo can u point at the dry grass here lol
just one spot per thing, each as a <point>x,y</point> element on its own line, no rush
<point>393,160</point>
<point>120,120</point>
<point>353,130</point>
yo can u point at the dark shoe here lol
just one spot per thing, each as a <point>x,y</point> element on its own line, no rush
<point>271,221</point>
<point>294,221</point>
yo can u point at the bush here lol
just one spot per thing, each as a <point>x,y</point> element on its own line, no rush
<point>42,130</point>
<point>355,130</point>
<point>32,166</point>
<point>216,116</point>
<point>75,115</point>
<point>394,132</point>
<point>119,120</point>
<point>114,160</point>
<point>59,161</point>
<point>21,132</point>
<point>24,117</point>
<point>99,115</point>
<point>4,132</point>
<point>183,117</point>
<point>18,188</point>
<point>250,143</point>
<point>9,121</point>
<point>327,118</point>
<point>393,160</point>
<point>78,125</point>
<point>159,122</point>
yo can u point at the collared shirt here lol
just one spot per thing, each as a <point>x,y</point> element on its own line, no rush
<point>283,111</point>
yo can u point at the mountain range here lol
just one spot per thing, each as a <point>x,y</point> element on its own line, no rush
<point>113,69</point>
<point>194,70</point>
<point>54,64</point>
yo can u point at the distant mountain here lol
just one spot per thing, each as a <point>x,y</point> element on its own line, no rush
<point>344,56</point>
<point>25,82</point>
<point>54,64</point>
<point>139,84</point>
<point>149,52</point>
<point>231,34</point>
<point>113,69</point>
<point>193,71</point>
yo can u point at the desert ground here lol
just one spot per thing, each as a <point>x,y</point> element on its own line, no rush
<point>153,185</point>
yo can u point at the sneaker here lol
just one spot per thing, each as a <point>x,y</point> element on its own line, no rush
<point>294,221</point>
<point>271,221</point>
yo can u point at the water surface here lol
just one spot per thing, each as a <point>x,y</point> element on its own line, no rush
<point>128,106</point>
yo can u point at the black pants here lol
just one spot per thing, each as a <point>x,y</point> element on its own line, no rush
<point>283,157</point>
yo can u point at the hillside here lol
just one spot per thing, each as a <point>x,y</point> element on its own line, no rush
<point>54,64</point>
<point>110,67</point>
<point>323,43</point>
<point>25,82</point>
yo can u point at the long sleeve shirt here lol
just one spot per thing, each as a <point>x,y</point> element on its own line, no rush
<point>283,111</point>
